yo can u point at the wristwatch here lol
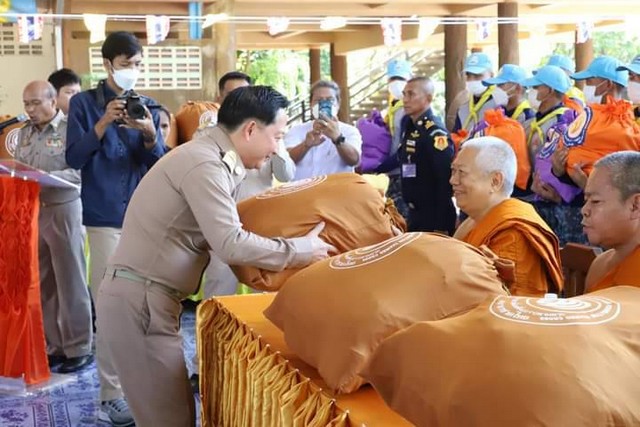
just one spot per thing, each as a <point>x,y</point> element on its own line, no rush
<point>339,140</point>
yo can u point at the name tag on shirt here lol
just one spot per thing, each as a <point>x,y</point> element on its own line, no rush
<point>409,170</point>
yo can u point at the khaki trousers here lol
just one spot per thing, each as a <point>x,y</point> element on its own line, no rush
<point>102,244</point>
<point>66,304</point>
<point>140,325</point>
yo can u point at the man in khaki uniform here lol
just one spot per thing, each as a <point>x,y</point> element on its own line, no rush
<point>66,306</point>
<point>184,207</point>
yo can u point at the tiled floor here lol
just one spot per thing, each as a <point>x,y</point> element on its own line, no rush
<point>75,402</point>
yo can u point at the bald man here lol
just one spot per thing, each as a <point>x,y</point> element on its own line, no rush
<point>611,219</point>
<point>65,297</point>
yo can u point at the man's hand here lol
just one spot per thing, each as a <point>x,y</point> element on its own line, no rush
<point>313,138</point>
<point>321,250</point>
<point>559,161</point>
<point>328,126</point>
<point>146,126</point>
<point>545,191</point>
<point>115,110</point>
<point>578,176</point>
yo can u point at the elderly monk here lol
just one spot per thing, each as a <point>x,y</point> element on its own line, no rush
<point>483,177</point>
<point>612,219</point>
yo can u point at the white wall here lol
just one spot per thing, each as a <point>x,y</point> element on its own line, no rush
<point>36,62</point>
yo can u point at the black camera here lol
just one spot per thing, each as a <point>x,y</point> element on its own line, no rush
<point>134,105</point>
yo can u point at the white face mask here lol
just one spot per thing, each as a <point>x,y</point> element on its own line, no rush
<point>590,95</point>
<point>396,87</point>
<point>126,78</point>
<point>633,89</point>
<point>476,87</point>
<point>315,111</point>
<point>532,97</point>
<point>500,96</point>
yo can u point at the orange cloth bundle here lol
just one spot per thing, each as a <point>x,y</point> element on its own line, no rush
<point>336,312</point>
<point>519,361</point>
<point>599,130</point>
<point>192,116</point>
<point>22,342</point>
<point>355,215</point>
<point>511,131</point>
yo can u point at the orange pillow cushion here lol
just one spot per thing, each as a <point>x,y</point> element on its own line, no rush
<point>354,212</point>
<point>336,312</point>
<point>519,361</point>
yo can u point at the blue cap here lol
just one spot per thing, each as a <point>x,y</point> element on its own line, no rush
<point>509,73</point>
<point>563,62</point>
<point>634,67</point>
<point>477,63</point>
<point>604,67</point>
<point>551,76</point>
<point>399,68</point>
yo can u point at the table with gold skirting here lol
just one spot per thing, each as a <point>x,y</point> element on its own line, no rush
<point>249,378</point>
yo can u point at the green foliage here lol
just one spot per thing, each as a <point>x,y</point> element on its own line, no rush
<point>284,70</point>
<point>612,43</point>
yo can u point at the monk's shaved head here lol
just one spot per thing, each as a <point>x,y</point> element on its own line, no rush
<point>624,171</point>
<point>40,89</point>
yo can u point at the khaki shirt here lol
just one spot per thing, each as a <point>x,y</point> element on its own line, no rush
<point>184,207</point>
<point>45,150</point>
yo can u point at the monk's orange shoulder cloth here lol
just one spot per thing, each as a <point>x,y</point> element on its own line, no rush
<point>514,230</point>
<point>627,273</point>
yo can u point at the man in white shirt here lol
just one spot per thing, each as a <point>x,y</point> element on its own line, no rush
<point>324,145</point>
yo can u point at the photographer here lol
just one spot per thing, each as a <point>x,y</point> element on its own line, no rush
<point>112,139</point>
<point>324,145</point>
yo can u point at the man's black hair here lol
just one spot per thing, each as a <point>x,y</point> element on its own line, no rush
<point>63,77</point>
<point>260,103</point>
<point>232,75</point>
<point>120,43</point>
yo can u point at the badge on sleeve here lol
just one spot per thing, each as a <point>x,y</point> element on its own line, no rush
<point>409,170</point>
<point>440,142</point>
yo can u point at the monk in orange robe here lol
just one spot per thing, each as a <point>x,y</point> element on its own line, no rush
<point>611,219</point>
<point>482,177</point>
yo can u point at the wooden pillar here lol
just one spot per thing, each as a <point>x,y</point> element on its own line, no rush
<point>508,35</point>
<point>584,56</point>
<point>314,65</point>
<point>218,50</point>
<point>455,51</point>
<point>339,75</point>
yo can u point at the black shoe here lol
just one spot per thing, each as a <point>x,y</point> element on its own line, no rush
<point>73,364</point>
<point>55,360</point>
<point>195,383</point>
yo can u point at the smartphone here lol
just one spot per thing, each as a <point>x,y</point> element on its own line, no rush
<point>325,106</point>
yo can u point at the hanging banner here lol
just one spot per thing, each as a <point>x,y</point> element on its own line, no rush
<point>30,28</point>
<point>27,7</point>
<point>157,28</point>
<point>583,31</point>
<point>483,29</point>
<point>426,27</point>
<point>96,24</point>
<point>277,25</point>
<point>391,31</point>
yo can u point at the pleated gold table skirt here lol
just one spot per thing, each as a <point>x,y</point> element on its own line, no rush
<point>249,378</point>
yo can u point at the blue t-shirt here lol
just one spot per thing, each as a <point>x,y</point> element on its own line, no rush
<point>111,167</point>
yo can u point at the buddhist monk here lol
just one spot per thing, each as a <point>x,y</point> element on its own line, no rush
<point>482,177</point>
<point>612,220</point>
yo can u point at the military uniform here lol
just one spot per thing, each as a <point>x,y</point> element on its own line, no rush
<point>183,207</point>
<point>425,155</point>
<point>66,304</point>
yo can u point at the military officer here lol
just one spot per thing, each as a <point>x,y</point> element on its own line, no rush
<point>66,304</point>
<point>425,159</point>
<point>183,207</point>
